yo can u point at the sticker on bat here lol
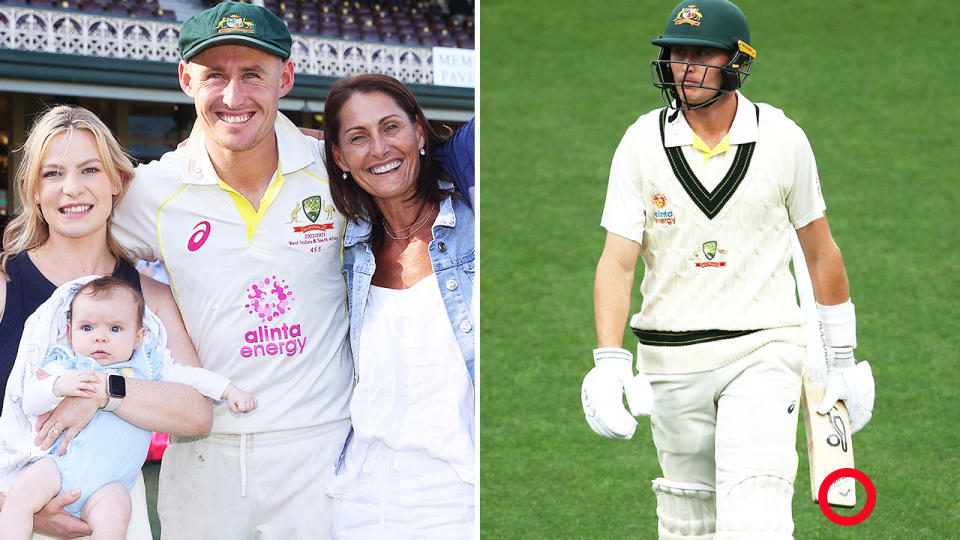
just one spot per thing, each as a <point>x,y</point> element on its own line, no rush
<point>839,437</point>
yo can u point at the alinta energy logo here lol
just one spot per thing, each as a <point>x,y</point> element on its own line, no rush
<point>659,200</point>
<point>269,299</point>
<point>662,216</point>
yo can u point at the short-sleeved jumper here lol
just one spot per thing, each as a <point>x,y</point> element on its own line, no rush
<point>717,257</point>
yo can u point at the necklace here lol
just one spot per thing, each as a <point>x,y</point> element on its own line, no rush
<point>414,231</point>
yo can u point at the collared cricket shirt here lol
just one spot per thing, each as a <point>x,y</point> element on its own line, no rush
<point>260,291</point>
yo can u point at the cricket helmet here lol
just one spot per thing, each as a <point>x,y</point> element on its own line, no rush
<point>705,23</point>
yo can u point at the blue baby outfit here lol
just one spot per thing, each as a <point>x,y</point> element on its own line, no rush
<point>109,449</point>
<point>27,289</point>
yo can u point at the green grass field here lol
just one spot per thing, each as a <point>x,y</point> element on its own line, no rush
<point>874,86</point>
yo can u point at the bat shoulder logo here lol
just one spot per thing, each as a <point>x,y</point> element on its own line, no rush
<point>839,435</point>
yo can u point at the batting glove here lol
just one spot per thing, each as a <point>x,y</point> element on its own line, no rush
<point>604,388</point>
<point>851,382</point>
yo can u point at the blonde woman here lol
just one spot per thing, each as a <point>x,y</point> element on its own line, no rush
<point>71,176</point>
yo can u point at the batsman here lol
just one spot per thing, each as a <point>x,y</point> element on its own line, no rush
<point>708,192</point>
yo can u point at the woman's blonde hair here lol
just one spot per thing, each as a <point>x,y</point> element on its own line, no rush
<point>28,230</point>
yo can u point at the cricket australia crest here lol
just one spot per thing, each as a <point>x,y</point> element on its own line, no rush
<point>311,207</point>
<point>313,236</point>
<point>710,250</point>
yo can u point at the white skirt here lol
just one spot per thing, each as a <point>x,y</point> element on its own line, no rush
<point>384,494</point>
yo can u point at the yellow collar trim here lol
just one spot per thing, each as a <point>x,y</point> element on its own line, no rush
<point>708,152</point>
<point>250,216</point>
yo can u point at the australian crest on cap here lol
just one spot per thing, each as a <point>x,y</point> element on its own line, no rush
<point>688,15</point>
<point>234,23</point>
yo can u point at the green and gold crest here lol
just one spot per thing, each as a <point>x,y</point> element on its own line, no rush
<point>311,208</point>
<point>710,249</point>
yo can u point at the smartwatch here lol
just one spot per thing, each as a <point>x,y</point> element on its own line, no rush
<point>116,391</point>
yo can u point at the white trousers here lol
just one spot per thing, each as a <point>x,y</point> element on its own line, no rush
<point>390,495</point>
<point>264,486</point>
<point>139,527</point>
<point>723,426</point>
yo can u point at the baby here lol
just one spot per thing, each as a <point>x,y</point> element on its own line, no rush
<point>105,331</point>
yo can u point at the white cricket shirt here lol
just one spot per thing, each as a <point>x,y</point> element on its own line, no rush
<point>260,292</point>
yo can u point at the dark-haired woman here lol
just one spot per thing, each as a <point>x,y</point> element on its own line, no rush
<point>408,467</point>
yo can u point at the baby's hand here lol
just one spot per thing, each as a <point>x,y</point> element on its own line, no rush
<point>240,401</point>
<point>76,384</point>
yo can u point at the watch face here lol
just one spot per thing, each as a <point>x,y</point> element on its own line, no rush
<point>116,386</point>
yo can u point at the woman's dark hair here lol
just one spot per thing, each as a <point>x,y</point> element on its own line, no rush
<point>350,198</point>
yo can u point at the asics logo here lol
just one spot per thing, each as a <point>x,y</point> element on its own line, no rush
<point>198,238</point>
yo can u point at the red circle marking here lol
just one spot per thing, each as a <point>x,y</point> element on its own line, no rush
<point>859,516</point>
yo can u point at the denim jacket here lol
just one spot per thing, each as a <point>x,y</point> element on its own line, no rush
<point>452,254</point>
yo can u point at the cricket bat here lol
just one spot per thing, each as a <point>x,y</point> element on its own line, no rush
<point>829,446</point>
<point>829,439</point>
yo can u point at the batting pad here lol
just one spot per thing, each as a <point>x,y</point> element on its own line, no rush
<point>685,510</point>
<point>758,508</point>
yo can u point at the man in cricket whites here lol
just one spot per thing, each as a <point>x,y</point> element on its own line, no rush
<point>708,192</point>
<point>254,263</point>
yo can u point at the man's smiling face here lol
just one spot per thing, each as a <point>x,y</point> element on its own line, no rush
<point>236,90</point>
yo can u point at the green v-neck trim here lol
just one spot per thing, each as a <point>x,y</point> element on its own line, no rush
<point>710,203</point>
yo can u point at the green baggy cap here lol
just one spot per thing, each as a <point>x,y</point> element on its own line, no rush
<point>238,23</point>
<point>709,23</point>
